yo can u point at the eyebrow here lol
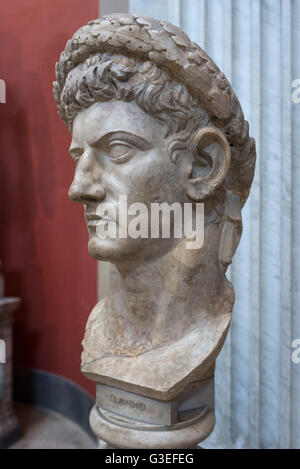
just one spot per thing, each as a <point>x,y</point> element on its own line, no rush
<point>136,140</point>
<point>120,135</point>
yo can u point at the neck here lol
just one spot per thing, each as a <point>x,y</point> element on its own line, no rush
<point>159,302</point>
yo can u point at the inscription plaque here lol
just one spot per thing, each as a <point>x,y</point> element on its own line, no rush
<point>137,407</point>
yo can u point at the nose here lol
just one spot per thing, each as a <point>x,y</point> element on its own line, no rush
<point>87,183</point>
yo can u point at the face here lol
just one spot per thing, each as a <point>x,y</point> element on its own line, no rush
<point>119,150</point>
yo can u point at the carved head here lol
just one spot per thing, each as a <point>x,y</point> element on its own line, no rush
<point>153,118</point>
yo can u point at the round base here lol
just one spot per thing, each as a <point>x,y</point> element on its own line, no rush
<point>121,434</point>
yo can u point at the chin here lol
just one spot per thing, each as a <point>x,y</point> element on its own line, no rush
<point>132,251</point>
<point>112,250</point>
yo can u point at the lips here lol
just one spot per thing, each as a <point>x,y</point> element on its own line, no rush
<point>92,219</point>
<point>92,216</point>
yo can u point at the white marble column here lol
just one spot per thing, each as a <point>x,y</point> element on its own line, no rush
<point>257,44</point>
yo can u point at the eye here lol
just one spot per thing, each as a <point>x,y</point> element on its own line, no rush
<point>77,158</point>
<point>121,152</point>
<point>76,153</point>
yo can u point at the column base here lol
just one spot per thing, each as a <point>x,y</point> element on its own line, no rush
<point>120,432</point>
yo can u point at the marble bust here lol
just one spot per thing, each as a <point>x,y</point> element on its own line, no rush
<point>153,118</point>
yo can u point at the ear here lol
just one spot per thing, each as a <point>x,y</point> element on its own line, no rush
<point>211,162</point>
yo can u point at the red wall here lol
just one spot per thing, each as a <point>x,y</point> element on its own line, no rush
<point>43,239</point>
